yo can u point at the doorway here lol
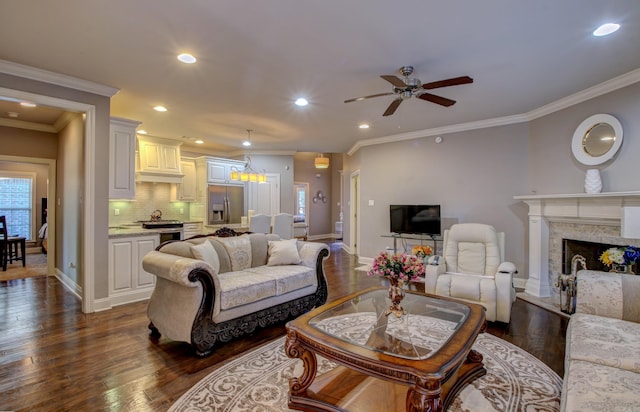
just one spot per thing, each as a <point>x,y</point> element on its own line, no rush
<point>85,220</point>
<point>354,214</point>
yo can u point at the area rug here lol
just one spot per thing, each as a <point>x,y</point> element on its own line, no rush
<point>258,381</point>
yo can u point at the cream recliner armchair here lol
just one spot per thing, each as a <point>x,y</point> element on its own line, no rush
<point>471,268</point>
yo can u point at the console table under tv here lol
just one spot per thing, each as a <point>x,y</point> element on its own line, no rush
<point>413,236</point>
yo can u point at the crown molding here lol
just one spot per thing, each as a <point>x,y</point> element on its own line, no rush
<point>611,85</point>
<point>20,70</point>
<point>456,128</point>
<point>571,100</point>
<point>21,124</point>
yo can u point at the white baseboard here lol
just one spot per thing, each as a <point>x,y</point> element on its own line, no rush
<point>320,237</point>
<point>130,297</point>
<point>520,283</point>
<point>365,260</point>
<point>69,283</point>
<point>100,305</point>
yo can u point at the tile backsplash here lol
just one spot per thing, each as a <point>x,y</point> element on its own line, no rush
<point>149,197</point>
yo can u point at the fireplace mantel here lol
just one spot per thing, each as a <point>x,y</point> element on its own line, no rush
<point>620,209</point>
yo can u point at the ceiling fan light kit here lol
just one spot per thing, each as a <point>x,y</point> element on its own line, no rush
<point>408,87</point>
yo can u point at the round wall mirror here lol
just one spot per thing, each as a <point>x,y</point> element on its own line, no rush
<point>597,139</point>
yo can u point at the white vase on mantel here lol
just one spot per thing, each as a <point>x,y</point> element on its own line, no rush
<point>593,182</point>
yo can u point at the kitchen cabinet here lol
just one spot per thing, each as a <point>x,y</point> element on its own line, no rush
<point>128,281</point>
<point>122,152</point>
<point>218,170</point>
<point>192,229</point>
<point>186,191</point>
<point>159,160</point>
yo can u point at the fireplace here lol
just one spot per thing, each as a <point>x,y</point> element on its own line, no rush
<point>591,251</point>
<point>590,217</point>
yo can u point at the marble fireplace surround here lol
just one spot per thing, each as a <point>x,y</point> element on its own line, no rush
<point>593,217</point>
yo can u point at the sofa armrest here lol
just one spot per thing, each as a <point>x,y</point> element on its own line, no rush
<point>309,252</point>
<point>435,267</point>
<point>614,295</point>
<point>507,267</point>
<point>176,268</point>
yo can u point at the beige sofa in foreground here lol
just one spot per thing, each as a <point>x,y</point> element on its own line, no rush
<point>213,289</point>
<point>602,355</point>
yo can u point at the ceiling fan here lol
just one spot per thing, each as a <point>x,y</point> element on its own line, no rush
<point>407,87</point>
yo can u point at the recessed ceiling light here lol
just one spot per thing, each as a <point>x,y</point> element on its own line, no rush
<point>363,126</point>
<point>160,109</point>
<point>606,29</point>
<point>301,101</point>
<point>199,141</point>
<point>246,143</point>
<point>27,104</point>
<point>141,131</point>
<point>187,58</point>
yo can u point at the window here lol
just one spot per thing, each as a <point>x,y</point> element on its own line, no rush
<point>16,202</point>
<point>302,204</point>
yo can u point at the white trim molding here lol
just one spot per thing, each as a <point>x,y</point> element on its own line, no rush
<point>579,97</point>
<point>28,72</point>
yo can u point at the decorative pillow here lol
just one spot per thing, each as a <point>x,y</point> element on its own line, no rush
<point>205,251</point>
<point>283,252</point>
<point>239,250</point>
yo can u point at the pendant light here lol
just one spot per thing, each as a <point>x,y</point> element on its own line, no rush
<point>321,162</point>
<point>247,142</point>
<point>247,174</point>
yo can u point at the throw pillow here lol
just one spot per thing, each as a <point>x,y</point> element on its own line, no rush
<point>283,252</point>
<point>205,251</point>
<point>239,250</point>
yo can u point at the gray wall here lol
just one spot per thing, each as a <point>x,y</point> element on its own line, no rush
<point>474,175</point>
<point>553,168</point>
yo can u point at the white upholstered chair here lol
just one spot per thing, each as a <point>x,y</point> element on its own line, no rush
<point>283,225</point>
<point>260,223</point>
<point>471,269</point>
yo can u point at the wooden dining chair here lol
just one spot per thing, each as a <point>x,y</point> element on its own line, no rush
<point>13,248</point>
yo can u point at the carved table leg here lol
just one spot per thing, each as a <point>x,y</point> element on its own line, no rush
<point>424,396</point>
<point>293,349</point>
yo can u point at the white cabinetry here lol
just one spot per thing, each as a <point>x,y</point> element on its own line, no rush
<point>218,170</point>
<point>122,152</point>
<point>186,191</point>
<point>192,229</point>
<point>159,160</point>
<point>128,282</point>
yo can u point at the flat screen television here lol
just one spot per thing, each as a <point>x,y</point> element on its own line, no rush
<point>416,219</point>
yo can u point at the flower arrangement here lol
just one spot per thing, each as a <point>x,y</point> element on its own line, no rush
<point>422,251</point>
<point>620,256</point>
<point>397,266</point>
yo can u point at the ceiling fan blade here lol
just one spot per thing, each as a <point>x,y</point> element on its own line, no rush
<point>392,107</point>
<point>436,99</point>
<point>396,81</point>
<point>357,99</point>
<point>448,82</point>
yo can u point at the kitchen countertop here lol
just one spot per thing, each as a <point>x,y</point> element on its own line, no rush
<point>135,229</point>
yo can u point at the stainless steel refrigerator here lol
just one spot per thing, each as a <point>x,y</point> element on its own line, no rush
<point>226,204</point>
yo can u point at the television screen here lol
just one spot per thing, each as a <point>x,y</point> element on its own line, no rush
<point>418,219</point>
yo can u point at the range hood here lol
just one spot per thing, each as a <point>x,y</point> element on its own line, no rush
<point>158,160</point>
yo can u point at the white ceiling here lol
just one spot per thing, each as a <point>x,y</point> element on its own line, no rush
<point>255,57</point>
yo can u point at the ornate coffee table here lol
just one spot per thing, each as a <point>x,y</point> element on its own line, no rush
<point>417,362</point>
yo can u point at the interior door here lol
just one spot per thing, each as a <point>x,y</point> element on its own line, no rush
<point>265,197</point>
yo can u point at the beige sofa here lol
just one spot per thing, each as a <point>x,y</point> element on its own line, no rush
<point>602,355</point>
<point>211,289</point>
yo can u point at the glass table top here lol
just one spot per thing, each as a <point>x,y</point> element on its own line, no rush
<point>426,327</point>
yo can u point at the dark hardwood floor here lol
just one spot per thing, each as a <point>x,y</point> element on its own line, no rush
<point>55,358</point>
